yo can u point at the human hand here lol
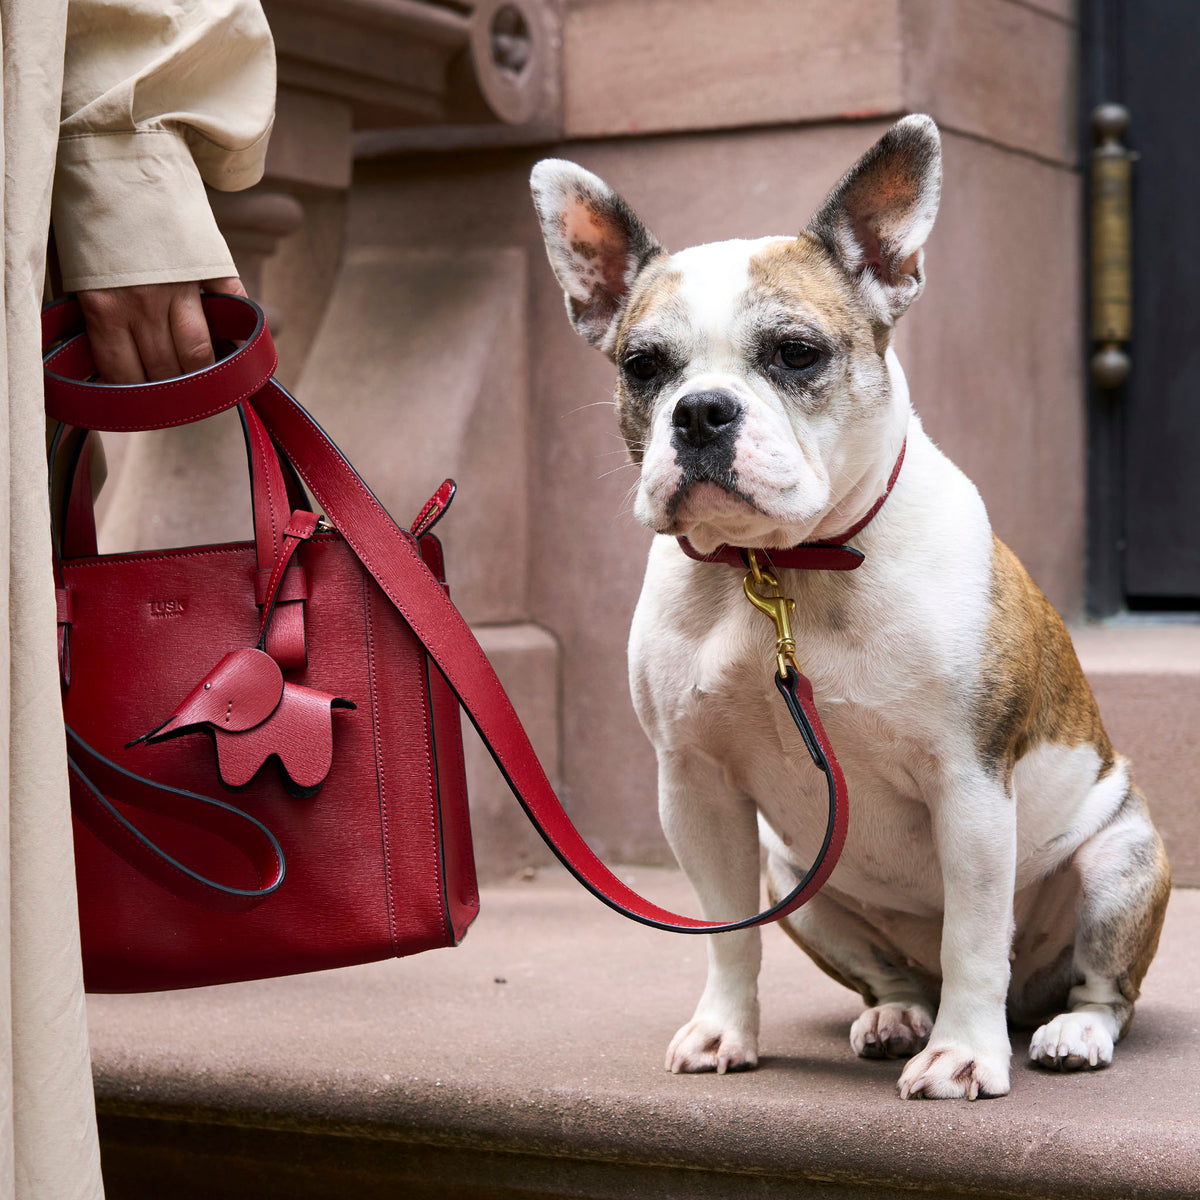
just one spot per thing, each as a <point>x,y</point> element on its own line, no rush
<point>151,331</point>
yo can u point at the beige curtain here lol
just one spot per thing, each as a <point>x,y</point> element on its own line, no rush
<point>47,1128</point>
<point>122,122</point>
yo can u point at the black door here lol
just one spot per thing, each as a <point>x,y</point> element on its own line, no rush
<point>1145,439</point>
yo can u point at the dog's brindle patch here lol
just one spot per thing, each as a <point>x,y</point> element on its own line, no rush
<point>1143,931</point>
<point>653,294</point>
<point>1119,932</point>
<point>1032,689</point>
<point>802,270</point>
<point>774,895</point>
<point>1044,992</point>
<point>801,277</point>
<point>652,290</point>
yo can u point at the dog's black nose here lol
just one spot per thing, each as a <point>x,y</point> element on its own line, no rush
<point>703,417</point>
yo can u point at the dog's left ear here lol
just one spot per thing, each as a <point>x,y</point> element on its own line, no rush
<point>595,242</point>
<point>876,220</point>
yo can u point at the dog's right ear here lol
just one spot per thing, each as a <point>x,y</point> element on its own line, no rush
<point>875,221</point>
<point>595,242</point>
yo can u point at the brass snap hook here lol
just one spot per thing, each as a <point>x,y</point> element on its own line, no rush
<point>762,590</point>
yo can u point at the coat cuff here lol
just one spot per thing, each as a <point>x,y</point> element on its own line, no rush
<point>130,208</point>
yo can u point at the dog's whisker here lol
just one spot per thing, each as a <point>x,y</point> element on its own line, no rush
<point>625,508</point>
<point>594,404</point>
<point>614,470</point>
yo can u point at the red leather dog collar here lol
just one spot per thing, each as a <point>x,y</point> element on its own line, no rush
<point>830,554</point>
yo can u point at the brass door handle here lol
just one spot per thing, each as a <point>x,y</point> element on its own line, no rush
<point>1112,246</point>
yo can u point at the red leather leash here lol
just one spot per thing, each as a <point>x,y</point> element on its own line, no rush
<point>830,554</point>
<point>391,555</point>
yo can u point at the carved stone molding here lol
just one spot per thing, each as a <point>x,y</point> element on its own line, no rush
<point>418,62</point>
<point>348,66</point>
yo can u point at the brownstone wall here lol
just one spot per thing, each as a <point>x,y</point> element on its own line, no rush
<point>424,327</point>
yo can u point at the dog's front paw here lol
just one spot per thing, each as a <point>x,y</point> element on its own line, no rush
<point>1071,1041</point>
<point>891,1031</point>
<point>951,1072</point>
<point>703,1045</point>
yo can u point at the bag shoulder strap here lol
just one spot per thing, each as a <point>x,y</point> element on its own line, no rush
<point>391,556</point>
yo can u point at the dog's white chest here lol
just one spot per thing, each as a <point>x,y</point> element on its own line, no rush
<point>705,688</point>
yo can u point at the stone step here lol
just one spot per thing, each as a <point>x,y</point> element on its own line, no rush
<point>528,1063</point>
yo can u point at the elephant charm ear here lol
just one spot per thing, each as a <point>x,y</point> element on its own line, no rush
<point>253,715</point>
<point>240,692</point>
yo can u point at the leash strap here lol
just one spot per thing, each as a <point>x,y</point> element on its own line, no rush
<point>390,554</point>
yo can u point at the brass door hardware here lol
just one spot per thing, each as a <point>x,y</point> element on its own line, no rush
<point>1112,248</point>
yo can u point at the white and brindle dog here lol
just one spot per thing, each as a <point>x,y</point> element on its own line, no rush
<point>999,864</point>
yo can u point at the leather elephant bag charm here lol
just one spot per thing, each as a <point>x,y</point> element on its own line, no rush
<point>253,715</point>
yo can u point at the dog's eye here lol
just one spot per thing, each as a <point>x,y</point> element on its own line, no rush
<point>641,366</point>
<point>795,356</point>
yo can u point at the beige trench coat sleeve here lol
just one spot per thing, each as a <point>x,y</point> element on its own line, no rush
<point>158,99</point>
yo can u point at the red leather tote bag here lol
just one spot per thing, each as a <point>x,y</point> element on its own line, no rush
<point>266,757</point>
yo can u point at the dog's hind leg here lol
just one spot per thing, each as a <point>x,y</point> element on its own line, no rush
<point>900,999</point>
<point>1125,882</point>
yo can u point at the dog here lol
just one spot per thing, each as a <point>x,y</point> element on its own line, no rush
<point>1000,865</point>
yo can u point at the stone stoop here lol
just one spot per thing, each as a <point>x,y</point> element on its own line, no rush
<point>528,1063</point>
<point>1146,678</point>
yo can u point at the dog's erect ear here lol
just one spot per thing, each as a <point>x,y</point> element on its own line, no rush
<point>877,218</point>
<point>595,242</point>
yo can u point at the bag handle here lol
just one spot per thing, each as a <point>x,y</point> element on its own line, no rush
<point>71,451</point>
<point>285,639</point>
<point>127,407</point>
<point>391,556</point>
<point>273,494</point>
